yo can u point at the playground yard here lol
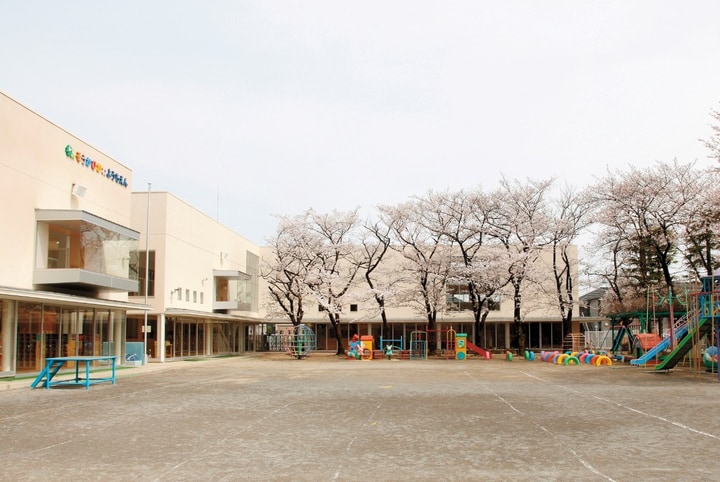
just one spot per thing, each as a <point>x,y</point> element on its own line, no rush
<point>272,417</point>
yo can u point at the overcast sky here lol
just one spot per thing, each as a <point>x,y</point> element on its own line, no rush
<point>275,107</point>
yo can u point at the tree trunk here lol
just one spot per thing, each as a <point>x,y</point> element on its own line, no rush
<point>335,322</point>
<point>518,341</point>
<point>479,327</point>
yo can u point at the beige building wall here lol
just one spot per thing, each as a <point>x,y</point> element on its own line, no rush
<point>191,248</point>
<point>539,302</point>
<point>36,173</point>
<point>66,242</point>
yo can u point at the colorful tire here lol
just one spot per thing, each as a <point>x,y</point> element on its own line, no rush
<point>571,360</point>
<point>589,358</point>
<point>531,356</point>
<point>602,360</point>
<point>509,356</point>
<point>561,358</point>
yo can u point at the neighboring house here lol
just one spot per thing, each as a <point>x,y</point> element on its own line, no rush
<point>203,282</point>
<point>66,244</point>
<point>591,303</point>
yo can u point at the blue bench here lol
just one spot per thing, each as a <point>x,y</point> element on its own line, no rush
<point>53,366</point>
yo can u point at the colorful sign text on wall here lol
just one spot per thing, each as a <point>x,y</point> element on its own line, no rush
<point>83,160</point>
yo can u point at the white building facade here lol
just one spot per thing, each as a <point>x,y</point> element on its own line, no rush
<point>203,282</point>
<point>82,275</point>
<point>66,245</point>
<point>540,313</point>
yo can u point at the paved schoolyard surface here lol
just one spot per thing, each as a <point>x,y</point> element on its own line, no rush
<point>270,417</point>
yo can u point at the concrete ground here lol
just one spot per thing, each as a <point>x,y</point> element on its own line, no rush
<point>270,417</point>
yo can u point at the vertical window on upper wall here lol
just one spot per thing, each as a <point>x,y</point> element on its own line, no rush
<point>137,271</point>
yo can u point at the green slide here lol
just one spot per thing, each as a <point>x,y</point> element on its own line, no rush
<point>684,344</point>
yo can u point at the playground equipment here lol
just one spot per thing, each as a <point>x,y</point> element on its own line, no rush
<point>652,353</point>
<point>575,358</point>
<point>395,343</point>
<point>574,342</point>
<point>449,341</point>
<point>460,346</point>
<point>484,353</point>
<point>418,345</point>
<point>710,358</point>
<point>366,347</point>
<point>298,341</point>
<point>702,322</point>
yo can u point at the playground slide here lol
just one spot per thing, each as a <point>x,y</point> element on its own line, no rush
<point>684,345</point>
<point>478,350</point>
<point>660,347</point>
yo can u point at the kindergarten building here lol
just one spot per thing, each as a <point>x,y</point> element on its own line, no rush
<point>73,278</point>
<point>66,243</point>
<point>541,319</point>
<point>202,283</point>
<point>82,274</point>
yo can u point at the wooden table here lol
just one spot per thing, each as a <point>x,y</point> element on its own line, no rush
<point>53,366</point>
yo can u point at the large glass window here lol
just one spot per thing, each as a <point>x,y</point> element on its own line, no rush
<point>248,288</point>
<point>46,331</point>
<point>458,298</point>
<point>79,244</point>
<point>7,335</point>
<point>28,337</point>
<point>186,337</point>
<point>137,271</point>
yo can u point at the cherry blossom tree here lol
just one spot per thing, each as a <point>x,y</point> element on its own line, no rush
<point>650,210</point>
<point>713,143</point>
<point>477,264</point>
<point>571,212</point>
<point>522,226</point>
<point>651,206</point>
<point>606,265</point>
<point>382,283</point>
<point>286,270</point>
<point>315,258</point>
<point>335,249</point>
<point>701,234</point>
<point>426,258</point>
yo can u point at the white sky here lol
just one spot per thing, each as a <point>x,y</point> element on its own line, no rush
<point>275,107</point>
